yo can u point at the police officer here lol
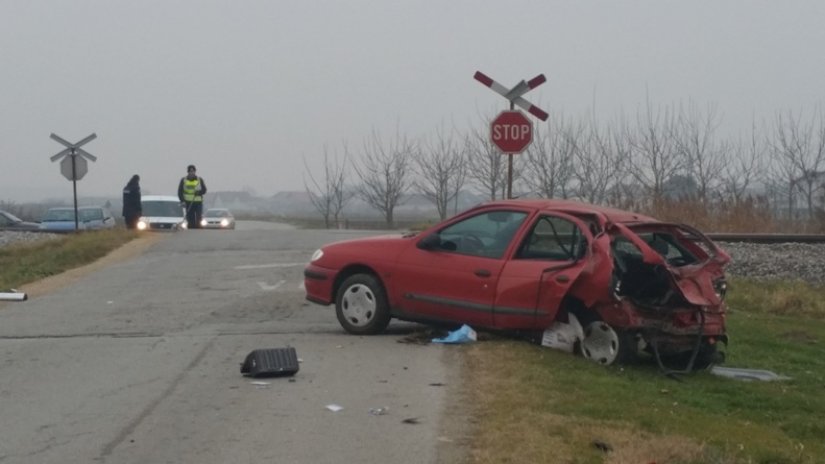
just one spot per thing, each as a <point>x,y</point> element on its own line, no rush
<point>191,190</point>
<point>132,208</point>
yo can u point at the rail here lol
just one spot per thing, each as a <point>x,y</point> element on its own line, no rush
<point>765,238</point>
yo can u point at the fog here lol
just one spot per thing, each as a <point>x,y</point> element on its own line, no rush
<point>251,92</point>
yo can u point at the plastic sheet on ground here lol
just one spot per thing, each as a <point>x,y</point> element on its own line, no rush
<point>464,334</point>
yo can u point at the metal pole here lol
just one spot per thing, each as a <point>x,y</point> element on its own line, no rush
<point>74,188</point>
<point>510,165</point>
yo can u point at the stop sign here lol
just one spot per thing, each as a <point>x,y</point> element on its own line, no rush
<point>511,131</point>
<point>81,167</point>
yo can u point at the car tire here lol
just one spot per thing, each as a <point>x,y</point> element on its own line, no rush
<point>361,305</point>
<point>607,346</point>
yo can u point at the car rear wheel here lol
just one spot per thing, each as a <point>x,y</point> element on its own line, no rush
<point>361,305</point>
<point>606,345</point>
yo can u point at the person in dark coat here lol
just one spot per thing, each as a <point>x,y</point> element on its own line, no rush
<point>132,209</point>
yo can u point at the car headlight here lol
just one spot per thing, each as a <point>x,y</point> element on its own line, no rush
<point>224,222</point>
<point>183,225</point>
<point>203,222</point>
<point>142,224</point>
<point>317,255</point>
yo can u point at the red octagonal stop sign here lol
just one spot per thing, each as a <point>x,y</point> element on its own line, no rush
<point>511,131</point>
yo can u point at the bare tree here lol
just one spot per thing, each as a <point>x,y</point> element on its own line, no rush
<point>704,156</point>
<point>655,157</point>
<point>799,153</point>
<point>550,158</point>
<point>596,163</point>
<point>329,196</point>
<point>442,170</point>
<point>742,168</point>
<point>384,170</point>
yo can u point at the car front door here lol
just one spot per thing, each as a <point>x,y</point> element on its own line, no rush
<point>452,274</point>
<point>550,257</point>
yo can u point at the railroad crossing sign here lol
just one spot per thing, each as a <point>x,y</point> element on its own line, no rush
<point>73,166</point>
<point>511,131</point>
<point>514,94</point>
<point>76,167</point>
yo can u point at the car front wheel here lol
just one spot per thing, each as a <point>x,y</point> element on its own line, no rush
<point>361,305</point>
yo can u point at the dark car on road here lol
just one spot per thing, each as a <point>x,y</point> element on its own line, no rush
<point>622,282</point>
<point>9,221</point>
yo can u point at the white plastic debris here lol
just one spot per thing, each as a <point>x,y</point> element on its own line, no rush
<point>563,336</point>
<point>747,374</point>
<point>334,407</point>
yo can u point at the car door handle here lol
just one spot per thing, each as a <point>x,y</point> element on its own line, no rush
<point>562,278</point>
<point>482,272</point>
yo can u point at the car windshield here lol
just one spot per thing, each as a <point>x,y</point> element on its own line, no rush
<point>162,208</point>
<point>10,217</point>
<point>90,214</point>
<point>217,213</point>
<point>54,215</point>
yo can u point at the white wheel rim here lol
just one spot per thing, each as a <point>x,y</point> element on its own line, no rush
<point>600,343</point>
<point>358,305</point>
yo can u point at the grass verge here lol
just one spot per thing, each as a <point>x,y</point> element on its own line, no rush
<point>536,405</point>
<point>26,262</point>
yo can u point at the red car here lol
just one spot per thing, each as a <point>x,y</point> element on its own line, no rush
<point>628,282</point>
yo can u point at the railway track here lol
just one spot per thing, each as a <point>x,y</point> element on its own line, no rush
<point>765,238</point>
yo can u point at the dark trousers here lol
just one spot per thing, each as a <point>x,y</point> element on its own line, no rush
<point>131,221</point>
<point>194,212</point>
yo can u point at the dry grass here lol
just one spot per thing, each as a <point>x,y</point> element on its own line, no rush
<point>518,425</point>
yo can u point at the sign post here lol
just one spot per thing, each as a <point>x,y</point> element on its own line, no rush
<point>73,165</point>
<point>511,131</point>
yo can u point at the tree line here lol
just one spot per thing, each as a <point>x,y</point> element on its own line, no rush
<point>656,156</point>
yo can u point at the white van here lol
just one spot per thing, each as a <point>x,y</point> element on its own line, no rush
<point>161,212</point>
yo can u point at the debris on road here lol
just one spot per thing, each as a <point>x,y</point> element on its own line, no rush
<point>747,374</point>
<point>334,407</point>
<point>464,334</point>
<point>271,362</point>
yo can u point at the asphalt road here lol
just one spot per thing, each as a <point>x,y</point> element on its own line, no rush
<point>139,363</point>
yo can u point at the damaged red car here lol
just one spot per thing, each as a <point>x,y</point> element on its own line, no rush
<point>627,283</point>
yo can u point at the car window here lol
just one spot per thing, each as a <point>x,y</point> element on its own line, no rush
<point>91,214</point>
<point>4,221</point>
<point>486,234</point>
<point>553,238</point>
<point>162,208</point>
<point>58,215</point>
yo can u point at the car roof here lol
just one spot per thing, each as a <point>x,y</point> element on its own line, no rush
<point>160,198</point>
<point>576,207</point>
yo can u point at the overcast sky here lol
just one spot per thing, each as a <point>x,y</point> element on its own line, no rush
<point>248,90</point>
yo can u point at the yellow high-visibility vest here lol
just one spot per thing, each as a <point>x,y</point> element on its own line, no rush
<point>189,189</point>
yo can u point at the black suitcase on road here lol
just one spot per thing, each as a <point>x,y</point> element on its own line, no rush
<point>271,362</point>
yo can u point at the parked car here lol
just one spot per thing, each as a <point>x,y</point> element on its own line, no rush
<point>623,281</point>
<point>218,218</point>
<point>62,219</point>
<point>161,212</point>
<point>9,221</point>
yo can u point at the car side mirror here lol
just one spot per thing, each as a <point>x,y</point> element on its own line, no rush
<point>430,242</point>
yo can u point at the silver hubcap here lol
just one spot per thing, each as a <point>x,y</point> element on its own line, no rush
<point>358,305</point>
<point>601,343</point>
